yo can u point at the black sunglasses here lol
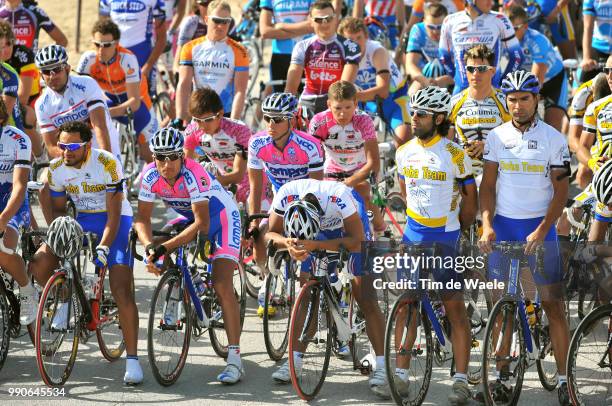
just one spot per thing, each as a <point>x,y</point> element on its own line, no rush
<point>274,119</point>
<point>168,157</point>
<point>607,70</point>
<point>221,20</point>
<point>56,70</point>
<point>479,68</point>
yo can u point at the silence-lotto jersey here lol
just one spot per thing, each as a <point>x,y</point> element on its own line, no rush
<point>134,18</point>
<point>598,119</point>
<point>27,20</point>
<point>324,61</point>
<point>15,152</point>
<point>581,100</point>
<point>366,76</point>
<point>87,186</point>
<point>344,145</point>
<point>432,173</point>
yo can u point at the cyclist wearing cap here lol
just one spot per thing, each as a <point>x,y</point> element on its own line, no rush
<point>215,61</point>
<point>93,180</point>
<point>15,154</point>
<point>117,72</point>
<point>207,209</point>
<point>477,24</point>
<point>479,108</point>
<point>523,192</point>
<point>309,215</point>
<point>435,178</point>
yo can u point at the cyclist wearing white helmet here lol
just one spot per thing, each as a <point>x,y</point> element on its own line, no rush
<point>523,192</point>
<point>437,182</point>
<point>205,208</point>
<point>93,179</point>
<point>309,215</point>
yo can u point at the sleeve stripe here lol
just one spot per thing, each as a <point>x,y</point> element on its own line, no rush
<point>509,38</point>
<point>22,162</point>
<point>94,102</point>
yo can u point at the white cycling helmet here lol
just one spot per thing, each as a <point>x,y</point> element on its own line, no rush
<point>65,237</point>
<point>432,98</point>
<point>302,220</point>
<point>602,183</point>
<point>166,141</point>
<point>51,55</point>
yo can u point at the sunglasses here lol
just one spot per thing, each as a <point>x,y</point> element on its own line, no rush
<point>221,20</point>
<point>167,157</point>
<point>434,27</point>
<point>52,71</point>
<point>420,113</point>
<point>518,27</point>
<point>607,70</point>
<point>206,119</point>
<point>274,119</point>
<point>106,44</point>
<point>479,68</point>
<point>71,146</point>
<point>324,19</point>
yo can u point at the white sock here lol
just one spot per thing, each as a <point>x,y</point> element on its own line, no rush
<point>460,377</point>
<point>562,379</point>
<point>131,362</point>
<point>27,290</point>
<point>402,373</point>
<point>298,359</point>
<point>233,355</point>
<point>380,362</point>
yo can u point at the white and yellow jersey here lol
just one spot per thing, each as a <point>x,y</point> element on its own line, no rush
<point>525,161</point>
<point>580,102</point>
<point>598,119</point>
<point>433,173</point>
<point>87,186</point>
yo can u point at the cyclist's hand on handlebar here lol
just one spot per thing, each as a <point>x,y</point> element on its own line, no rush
<point>588,64</point>
<point>488,236</point>
<point>211,168</point>
<point>534,240</point>
<point>154,252</point>
<point>297,249</point>
<point>151,268</point>
<point>100,258</point>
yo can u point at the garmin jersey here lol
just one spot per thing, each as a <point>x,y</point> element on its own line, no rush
<point>525,162</point>
<point>115,74</point>
<point>193,185</point>
<point>87,186</point>
<point>366,76</point>
<point>344,145</point>
<point>421,43</point>
<point>134,18</point>
<point>581,100</point>
<point>538,49</point>
<point>27,20</point>
<point>215,64</point>
<point>598,119</point>
<point>301,155</point>
<point>81,96</point>
<point>602,30</point>
<point>15,152</point>
<point>460,33</point>
<point>191,27</point>
<point>286,11</point>
<point>324,61</point>
<point>433,173</point>
<point>335,199</point>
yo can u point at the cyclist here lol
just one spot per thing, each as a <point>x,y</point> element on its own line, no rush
<point>15,154</point>
<point>283,154</point>
<point>479,108</point>
<point>435,174</point>
<point>596,36</point>
<point>93,179</point>
<point>116,70</point>
<point>206,209</point>
<point>193,26</point>
<point>545,62</point>
<point>523,192</point>
<point>552,17</point>
<point>422,61</point>
<point>419,6</point>
<point>309,215</point>
<point>389,13</point>
<point>349,141</point>
<point>27,19</point>
<point>477,24</point>
<point>143,31</point>
<point>379,80</point>
<point>323,58</point>
<point>286,23</point>
<point>215,61</point>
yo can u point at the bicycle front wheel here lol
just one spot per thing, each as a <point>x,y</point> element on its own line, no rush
<point>395,214</point>
<point>57,329</point>
<point>589,361</point>
<point>108,330</point>
<point>310,340</point>
<point>5,326</point>
<point>169,329</point>
<point>253,278</point>
<point>280,294</point>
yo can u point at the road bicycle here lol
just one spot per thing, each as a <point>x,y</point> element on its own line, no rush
<point>130,157</point>
<point>87,313</point>
<point>185,305</point>
<point>254,279</point>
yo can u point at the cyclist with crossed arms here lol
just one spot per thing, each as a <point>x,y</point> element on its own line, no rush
<point>206,209</point>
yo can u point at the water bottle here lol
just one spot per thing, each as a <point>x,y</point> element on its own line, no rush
<point>198,283</point>
<point>531,314</point>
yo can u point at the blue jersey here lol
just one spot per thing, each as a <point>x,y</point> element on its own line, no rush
<point>602,32</point>
<point>421,43</point>
<point>286,11</point>
<point>134,18</point>
<point>538,49</point>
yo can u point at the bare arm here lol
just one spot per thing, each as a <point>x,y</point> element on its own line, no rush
<point>58,36</point>
<point>372,164</point>
<point>241,80</point>
<point>133,100</point>
<point>539,69</point>
<point>349,72</point>
<point>487,193</point>
<point>380,60</point>
<point>98,121</point>
<point>294,77</point>
<point>58,206</point>
<point>255,184</point>
<point>142,223</point>
<point>358,8</point>
<point>412,68</point>
<point>50,139</point>
<point>183,91</point>
<point>237,173</point>
<point>25,88</point>
<point>9,102</point>
<point>180,14</point>
<point>281,30</point>
<point>469,205</point>
<point>113,210</point>
<point>318,175</point>
<point>559,199</point>
<point>200,224</point>
<point>584,147</point>
<point>158,48</point>
<point>587,35</point>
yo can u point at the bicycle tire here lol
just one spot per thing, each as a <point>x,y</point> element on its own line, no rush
<point>254,63</point>
<point>162,104</point>
<point>505,308</point>
<point>108,316</point>
<point>46,311</point>
<point>543,344</point>
<point>129,160</point>
<point>395,214</point>
<point>5,325</point>
<point>253,279</point>
<point>409,307</point>
<point>251,114</point>
<point>359,344</point>
<point>310,294</point>
<point>586,327</point>
<point>168,376</point>
<point>283,308</point>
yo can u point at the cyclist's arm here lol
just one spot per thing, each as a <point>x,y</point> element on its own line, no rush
<point>255,185</point>
<point>50,139</point>
<point>98,123</point>
<point>573,137</point>
<point>372,164</point>
<point>269,30</point>
<point>414,19</point>
<point>114,199</point>
<point>294,77</point>
<point>352,238</point>
<point>402,187</point>
<point>400,14</point>
<point>241,80</point>
<point>487,193</point>
<point>58,36</point>
<point>9,102</point>
<point>412,68</point>
<point>237,173</point>
<point>584,147</point>
<point>18,193</point>
<point>539,69</point>
<point>469,205</point>
<point>58,205</point>
<point>142,222</point>
<point>380,60</point>
<point>25,88</point>
<point>559,199</point>
<point>358,8</point>
<point>200,224</point>
<point>183,92</point>
<point>158,48</point>
<point>180,14</point>
<point>318,175</point>
<point>349,72</point>
<point>587,34</point>
<point>133,100</point>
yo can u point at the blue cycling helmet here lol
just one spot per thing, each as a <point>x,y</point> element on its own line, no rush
<point>51,55</point>
<point>433,69</point>
<point>533,10</point>
<point>167,140</point>
<point>520,81</point>
<point>280,104</point>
